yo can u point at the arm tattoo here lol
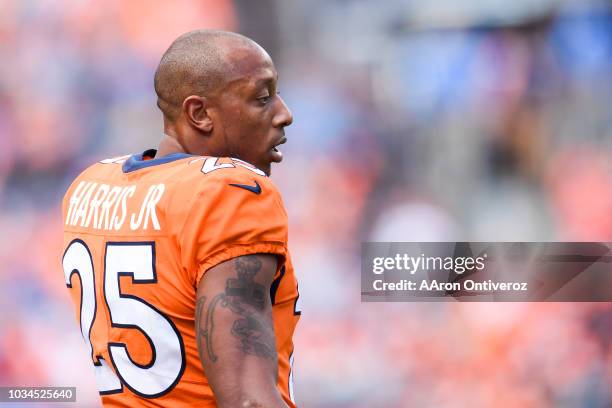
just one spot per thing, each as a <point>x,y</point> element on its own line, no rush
<point>206,332</point>
<point>246,298</point>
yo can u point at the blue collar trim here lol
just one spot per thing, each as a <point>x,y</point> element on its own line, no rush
<point>137,161</point>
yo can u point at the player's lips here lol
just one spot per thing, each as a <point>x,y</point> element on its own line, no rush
<point>277,155</point>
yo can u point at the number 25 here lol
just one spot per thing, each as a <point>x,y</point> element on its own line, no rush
<point>135,259</point>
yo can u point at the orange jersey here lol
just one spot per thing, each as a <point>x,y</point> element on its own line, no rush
<point>138,236</point>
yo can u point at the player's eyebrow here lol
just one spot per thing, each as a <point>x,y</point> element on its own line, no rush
<point>264,82</point>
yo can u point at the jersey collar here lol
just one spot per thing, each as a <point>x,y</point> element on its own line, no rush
<point>147,159</point>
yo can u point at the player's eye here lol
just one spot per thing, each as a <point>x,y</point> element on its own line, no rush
<point>264,99</point>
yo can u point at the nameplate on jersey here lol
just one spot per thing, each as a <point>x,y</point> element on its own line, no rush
<point>102,206</point>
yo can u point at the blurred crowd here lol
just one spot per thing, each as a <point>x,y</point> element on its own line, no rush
<point>484,121</point>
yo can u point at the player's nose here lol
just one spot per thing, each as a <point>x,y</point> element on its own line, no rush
<point>283,116</point>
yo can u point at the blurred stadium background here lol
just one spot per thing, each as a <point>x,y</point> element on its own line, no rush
<point>441,120</point>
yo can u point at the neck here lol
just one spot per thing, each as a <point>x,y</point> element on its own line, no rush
<point>169,145</point>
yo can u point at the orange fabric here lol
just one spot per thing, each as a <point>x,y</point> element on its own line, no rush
<point>201,221</point>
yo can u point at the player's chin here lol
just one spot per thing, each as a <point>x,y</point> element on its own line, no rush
<point>273,156</point>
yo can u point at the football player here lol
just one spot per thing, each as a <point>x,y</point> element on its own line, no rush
<point>176,258</point>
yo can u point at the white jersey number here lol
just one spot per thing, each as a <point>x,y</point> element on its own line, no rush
<point>136,260</point>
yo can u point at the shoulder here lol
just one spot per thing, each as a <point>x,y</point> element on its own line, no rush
<point>232,199</point>
<point>99,171</point>
<point>103,168</point>
<point>224,173</point>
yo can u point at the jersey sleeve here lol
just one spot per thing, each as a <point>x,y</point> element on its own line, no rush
<point>233,214</point>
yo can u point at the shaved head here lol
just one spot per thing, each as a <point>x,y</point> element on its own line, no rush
<point>218,92</point>
<point>197,63</point>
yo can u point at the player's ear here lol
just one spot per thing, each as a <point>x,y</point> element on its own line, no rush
<point>197,110</point>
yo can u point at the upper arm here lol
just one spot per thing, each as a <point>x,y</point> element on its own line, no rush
<point>235,331</point>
